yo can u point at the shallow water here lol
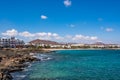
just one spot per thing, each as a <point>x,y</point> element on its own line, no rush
<point>76,65</point>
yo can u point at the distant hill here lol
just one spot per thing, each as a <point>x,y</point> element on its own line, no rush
<point>38,41</point>
<point>99,43</point>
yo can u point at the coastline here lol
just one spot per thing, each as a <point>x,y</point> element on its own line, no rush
<point>14,60</point>
<point>53,49</point>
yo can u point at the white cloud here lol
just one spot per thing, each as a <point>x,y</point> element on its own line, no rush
<point>49,36</point>
<point>41,34</point>
<point>82,37</point>
<point>26,34</point>
<point>43,17</point>
<point>55,35</point>
<point>59,38</point>
<point>67,3</point>
<point>11,32</point>
<point>109,29</point>
<point>78,37</point>
<point>94,38</point>
<point>68,36</point>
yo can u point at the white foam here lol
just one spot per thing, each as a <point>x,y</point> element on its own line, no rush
<point>21,76</point>
<point>46,58</point>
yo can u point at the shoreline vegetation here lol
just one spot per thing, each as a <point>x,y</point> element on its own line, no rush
<point>12,59</point>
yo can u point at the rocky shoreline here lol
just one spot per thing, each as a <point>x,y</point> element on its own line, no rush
<point>15,60</point>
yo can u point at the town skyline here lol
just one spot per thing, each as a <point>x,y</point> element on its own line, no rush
<point>61,20</point>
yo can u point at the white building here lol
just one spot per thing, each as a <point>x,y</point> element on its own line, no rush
<point>98,45</point>
<point>10,42</point>
<point>76,45</point>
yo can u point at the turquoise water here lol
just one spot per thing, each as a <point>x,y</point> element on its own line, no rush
<point>77,65</point>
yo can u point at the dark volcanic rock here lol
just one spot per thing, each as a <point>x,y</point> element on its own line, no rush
<point>12,61</point>
<point>5,74</point>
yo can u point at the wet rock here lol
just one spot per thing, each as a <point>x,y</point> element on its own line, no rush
<point>1,75</point>
<point>0,59</point>
<point>16,70</point>
<point>5,74</point>
<point>13,62</point>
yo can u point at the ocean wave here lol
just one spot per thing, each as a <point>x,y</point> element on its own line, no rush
<point>22,76</point>
<point>19,77</point>
<point>42,57</point>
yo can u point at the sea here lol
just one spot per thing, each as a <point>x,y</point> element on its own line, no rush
<point>74,65</point>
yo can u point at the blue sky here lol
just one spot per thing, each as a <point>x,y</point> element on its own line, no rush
<point>80,21</point>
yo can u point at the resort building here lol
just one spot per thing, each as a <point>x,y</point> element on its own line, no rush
<point>97,45</point>
<point>11,42</point>
<point>80,45</point>
<point>119,45</point>
<point>112,46</point>
<point>103,45</point>
<point>53,44</point>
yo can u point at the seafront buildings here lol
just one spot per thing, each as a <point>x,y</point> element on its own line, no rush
<point>11,42</point>
<point>103,45</point>
<point>17,43</point>
<point>44,43</point>
<point>53,44</point>
<point>48,44</point>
